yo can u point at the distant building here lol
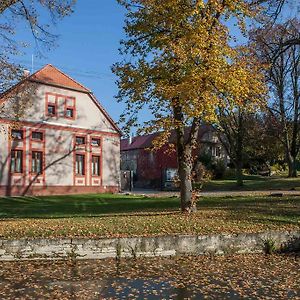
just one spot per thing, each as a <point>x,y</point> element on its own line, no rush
<point>157,169</point>
<point>62,141</point>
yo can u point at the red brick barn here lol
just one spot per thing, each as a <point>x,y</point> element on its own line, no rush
<point>156,169</point>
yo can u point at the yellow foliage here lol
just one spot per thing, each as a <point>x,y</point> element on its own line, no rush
<point>182,57</point>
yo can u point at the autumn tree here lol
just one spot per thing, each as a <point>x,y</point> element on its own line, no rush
<point>32,14</point>
<point>283,77</point>
<point>274,12</point>
<point>250,139</point>
<point>232,136</point>
<point>179,62</point>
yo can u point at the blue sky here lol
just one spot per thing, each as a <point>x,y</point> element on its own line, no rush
<point>87,47</point>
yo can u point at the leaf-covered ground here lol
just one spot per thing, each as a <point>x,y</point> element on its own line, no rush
<point>92,216</point>
<point>219,277</point>
<point>254,183</point>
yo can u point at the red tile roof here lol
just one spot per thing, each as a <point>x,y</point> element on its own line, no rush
<point>51,75</point>
<point>145,141</point>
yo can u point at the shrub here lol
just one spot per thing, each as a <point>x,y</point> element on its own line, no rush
<point>219,169</point>
<point>201,173</point>
<point>269,246</point>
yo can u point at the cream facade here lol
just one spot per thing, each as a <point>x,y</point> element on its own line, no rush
<point>63,141</point>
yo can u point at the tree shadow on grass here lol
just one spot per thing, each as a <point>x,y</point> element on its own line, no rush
<point>83,206</point>
<point>257,209</point>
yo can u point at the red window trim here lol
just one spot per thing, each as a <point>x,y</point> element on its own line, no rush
<point>73,107</point>
<point>23,160</point>
<point>43,161</point>
<point>91,163</point>
<point>39,144</point>
<point>84,154</point>
<point>55,104</point>
<point>16,129</point>
<point>81,150</point>
<point>80,136</point>
<point>32,130</point>
<point>92,178</point>
<point>95,138</point>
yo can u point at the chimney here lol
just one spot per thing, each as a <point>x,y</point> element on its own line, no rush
<point>26,73</point>
<point>130,140</point>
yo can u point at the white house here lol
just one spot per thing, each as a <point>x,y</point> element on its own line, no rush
<point>56,138</point>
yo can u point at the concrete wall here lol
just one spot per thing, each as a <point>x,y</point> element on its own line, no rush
<point>145,246</point>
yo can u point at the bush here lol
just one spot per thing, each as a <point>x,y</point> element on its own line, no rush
<point>219,169</point>
<point>208,168</point>
<point>278,168</point>
<point>270,246</point>
<point>202,174</point>
<point>230,173</point>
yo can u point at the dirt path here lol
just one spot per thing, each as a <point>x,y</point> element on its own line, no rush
<point>274,193</point>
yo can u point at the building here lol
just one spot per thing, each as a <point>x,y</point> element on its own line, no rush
<point>56,138</point>
<point>157,169</point>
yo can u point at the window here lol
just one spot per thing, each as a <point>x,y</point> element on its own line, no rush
<point>95,142</point>
<point>70,107</point>
<point>96,165</point>
<point>16,163</point>
<point>80,140</point>
<point>38,136</point>
<point>37,162</point>
<point>17,134</point>
<point>51,110</point>
<point>171,174</point>
<point>80,164</point>
<point>69,113</point>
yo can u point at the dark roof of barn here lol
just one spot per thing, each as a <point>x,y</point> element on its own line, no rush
<point>145,141</point>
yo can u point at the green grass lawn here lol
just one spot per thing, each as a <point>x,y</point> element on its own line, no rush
<point>254,183</point>
<point>92,216</point>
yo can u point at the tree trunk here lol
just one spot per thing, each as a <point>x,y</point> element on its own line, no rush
<point>239,174</point>
<point>185,177</point>
<point>291,161</point>
<point>184,159</point>
<point>239,150</point>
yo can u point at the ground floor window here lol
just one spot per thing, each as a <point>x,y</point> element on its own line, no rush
<point>80,164</point>
<point>96,165</point>
<point>16,163</point>
<point>37,162</point>
<point>171,174</point>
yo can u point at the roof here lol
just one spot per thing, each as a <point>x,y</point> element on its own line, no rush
<point>53,76</point>
<point>50,75</point>
<point>145,141</point>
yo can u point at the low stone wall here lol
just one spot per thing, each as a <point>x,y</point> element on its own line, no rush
<point>145,246</point>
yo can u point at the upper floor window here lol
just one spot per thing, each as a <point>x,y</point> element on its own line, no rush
<point>95,142</point>
<point>60,106</point>
<point>70,108</point>
<point>38,136</point>
<point>16,161</point>
<point>69,113</point>
<point>17,134</point>
<point>80,140</point>
<point>51,110</point>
